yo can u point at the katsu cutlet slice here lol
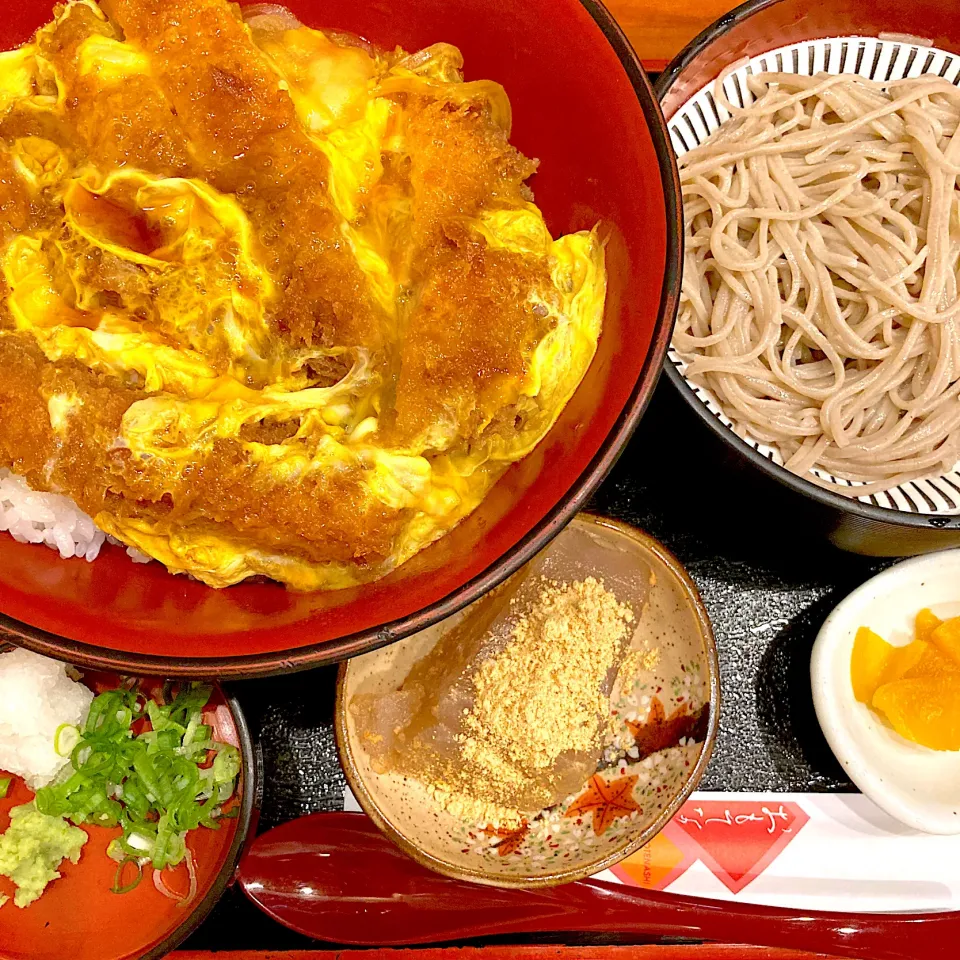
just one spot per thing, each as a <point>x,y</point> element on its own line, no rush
<point>246,139</point>
<point>112,104</point>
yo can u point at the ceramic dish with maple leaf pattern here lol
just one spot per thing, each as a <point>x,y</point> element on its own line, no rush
<point>664,710</point>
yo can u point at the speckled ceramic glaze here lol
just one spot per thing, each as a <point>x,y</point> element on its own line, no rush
<point>664,713</point>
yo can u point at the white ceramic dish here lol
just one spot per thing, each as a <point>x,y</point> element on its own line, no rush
<point>919,787</point>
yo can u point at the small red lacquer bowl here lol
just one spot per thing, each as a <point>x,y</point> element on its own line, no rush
<point>79,916</point>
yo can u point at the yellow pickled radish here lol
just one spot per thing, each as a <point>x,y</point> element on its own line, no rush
<point>925,710</point>
<point>927,621</point>
<point>933,663</point>
<point>947,638</point>
<point>871,654</point>
<point>903,660</point>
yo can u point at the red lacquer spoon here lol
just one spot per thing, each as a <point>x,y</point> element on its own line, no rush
<point>334,877</point>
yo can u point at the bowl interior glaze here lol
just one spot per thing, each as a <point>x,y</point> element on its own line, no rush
<point>568,842</point>
<point>558,59</point>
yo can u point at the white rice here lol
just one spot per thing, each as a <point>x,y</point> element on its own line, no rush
<point>33,517</point>
<point>36,698</point>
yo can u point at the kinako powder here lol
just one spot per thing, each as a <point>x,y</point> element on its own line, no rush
<point>535,706</point>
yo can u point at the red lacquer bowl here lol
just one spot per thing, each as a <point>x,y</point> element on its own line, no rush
<point>79,917</point>
<point>583,106</point>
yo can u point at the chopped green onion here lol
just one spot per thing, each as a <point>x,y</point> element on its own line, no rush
<point>5,786</point>
<point>226,766</point>
<point>118,885</point>
<point>157,785</point>
<point>66,739</point>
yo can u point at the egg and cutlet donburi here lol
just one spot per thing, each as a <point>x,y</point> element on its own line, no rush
<point>274,302</point>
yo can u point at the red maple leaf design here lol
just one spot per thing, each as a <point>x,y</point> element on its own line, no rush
<point>510,839</point>
<point>606,801</point>
<point>660,731</point>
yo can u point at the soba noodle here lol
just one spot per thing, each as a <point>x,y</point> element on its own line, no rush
<point>820,297</point>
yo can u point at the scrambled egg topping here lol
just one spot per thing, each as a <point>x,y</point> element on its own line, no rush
<point>277,303</point>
